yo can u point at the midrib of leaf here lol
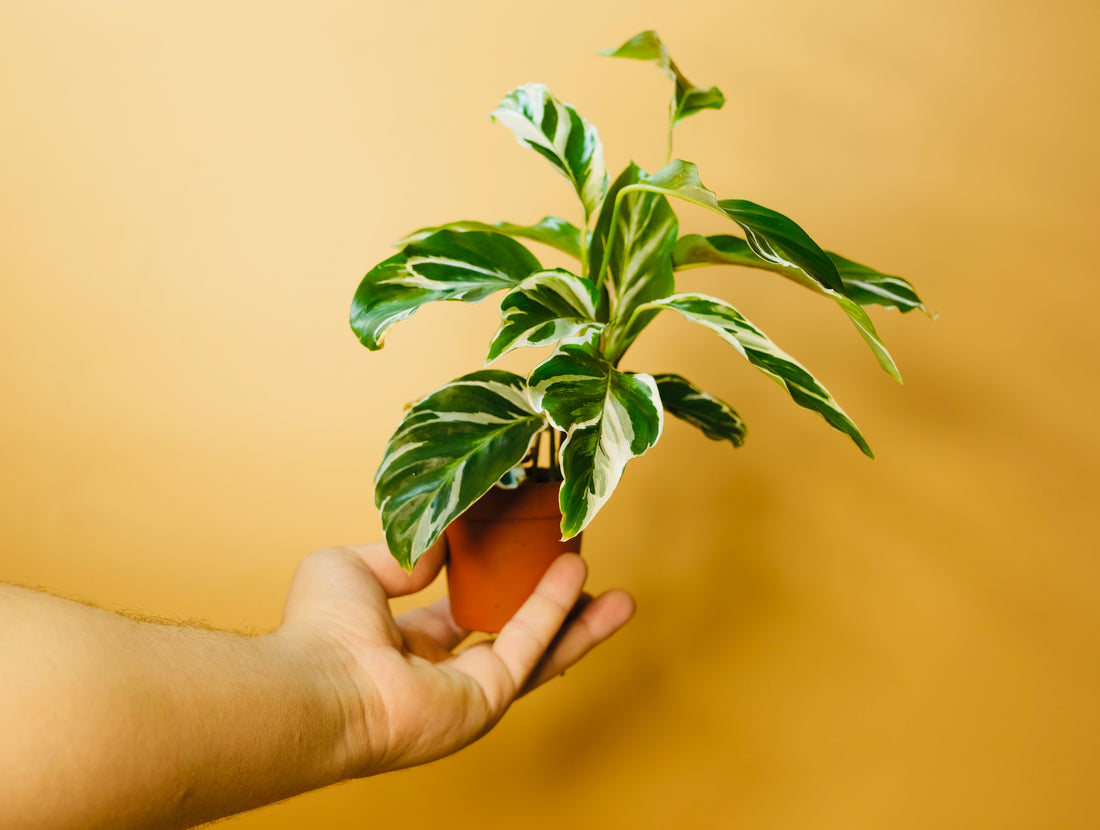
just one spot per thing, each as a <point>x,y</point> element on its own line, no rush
<point>613,291</point>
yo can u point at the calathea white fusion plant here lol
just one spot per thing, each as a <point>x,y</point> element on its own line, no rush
<point>459,441</point>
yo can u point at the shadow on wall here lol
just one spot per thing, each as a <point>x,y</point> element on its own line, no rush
<point>692,550</point>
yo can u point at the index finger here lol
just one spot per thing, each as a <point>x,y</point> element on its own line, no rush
<point>525,638</point>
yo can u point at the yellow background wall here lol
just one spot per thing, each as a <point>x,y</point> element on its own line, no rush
<point>190,192</point>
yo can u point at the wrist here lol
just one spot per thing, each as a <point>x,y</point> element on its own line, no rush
<point>339,711</point>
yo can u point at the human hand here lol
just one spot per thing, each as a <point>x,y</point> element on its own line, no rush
<point>407,696</point>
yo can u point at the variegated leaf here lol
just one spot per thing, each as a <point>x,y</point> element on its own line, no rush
<point>449,449</point>
<point>609,417</point>
<point>688,99</point>
<point>716,418</point>
<point>731,250</point>
<point>447,265</point>
<point>631,248</point>
<point>557,132</point>
<point>545,308</point>
<point>771,235</point>
<point>762,353</point>
<point>550,230</point>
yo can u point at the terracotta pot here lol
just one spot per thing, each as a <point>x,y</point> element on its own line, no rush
<point>498,551</point>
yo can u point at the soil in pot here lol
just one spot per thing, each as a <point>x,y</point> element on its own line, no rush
<point>498,551</point>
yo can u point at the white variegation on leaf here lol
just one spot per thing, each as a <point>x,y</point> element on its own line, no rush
<point>609,417</point>
<point>449,449</point>
<point>557,132</point>
<point>546,308</point>
<point>550,230</point>
<point>631,249</point>
<point>447,265</point>
<point>762,353</point>
<point>482,429</point>
<point>730,250</point>
<point>716,418</point>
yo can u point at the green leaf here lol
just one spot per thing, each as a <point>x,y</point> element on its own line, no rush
<point>867,286</point>
<point>731,250</point>
<point>449,449</point>
<point>864,284</point>
<point>771,235</point>
<point>681,179</point>
<point>762,353</point>
<point>688,99</point>
<point>550,230</point>
<point>631,245</point>
<point>609,417</point>
<point>774,237</point>
<point>716,418</point>
<point>558,133</point>
<point>692,250</point>
<point>544,309</point>
<point>447,265</point>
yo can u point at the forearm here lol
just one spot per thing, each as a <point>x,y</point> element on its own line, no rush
<point>112,722</point>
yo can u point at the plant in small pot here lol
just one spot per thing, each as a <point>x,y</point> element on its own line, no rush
<point>549,449</point>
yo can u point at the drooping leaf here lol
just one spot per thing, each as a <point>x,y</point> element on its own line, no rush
<point>716,418</point>
<point>543,309</point>
<point>631,248</point>
<point>550,230</point>
<point>771,235</point>
<point>447,265</point>
<point>557,132</point>
<point>731,250</point>
<point>688,98</point>
<point>762,353</point>
<point>774,237</point>
<point>609,417</point>
<point>867,286</point>
<point>449,449</point>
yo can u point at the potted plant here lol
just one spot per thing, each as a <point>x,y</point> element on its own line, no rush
<point>571,425</point>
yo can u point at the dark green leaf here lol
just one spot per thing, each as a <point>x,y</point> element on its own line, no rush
<point>774,237</point>
<point>447,265</point>
<point>716,418</point>
<point>867,286</point>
